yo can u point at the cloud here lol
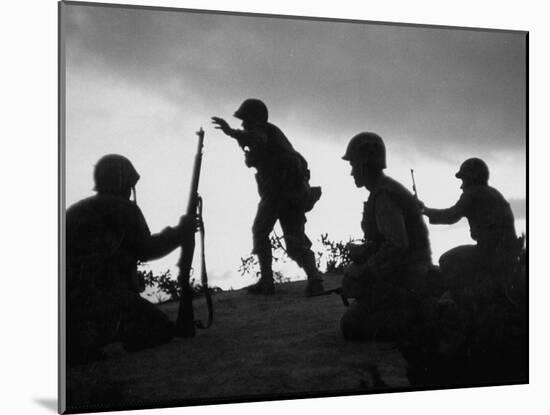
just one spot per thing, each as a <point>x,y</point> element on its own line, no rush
<point>140,82</point>
<point>519,207</point>
<point>439,89</point>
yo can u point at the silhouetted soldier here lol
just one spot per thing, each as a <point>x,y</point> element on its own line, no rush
<point>482,279</point>
<point>387,275</point>
<point>106,236</point>
<point>285,195</point>
<point>491,225</point>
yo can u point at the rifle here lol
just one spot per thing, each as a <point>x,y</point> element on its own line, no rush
<point>186,323</point>
<point>414,185</point>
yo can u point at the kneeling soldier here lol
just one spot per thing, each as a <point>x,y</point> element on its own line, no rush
<point>388,272</point>
<point>106,235</point>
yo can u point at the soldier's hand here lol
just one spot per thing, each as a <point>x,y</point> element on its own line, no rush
<point>421,205</point>
<point>188,224</point>
<point>221,124</point>
<point>358,252</point>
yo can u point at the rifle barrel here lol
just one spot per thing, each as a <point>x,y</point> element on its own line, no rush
<point>193,191</point>
<point>414,184</point>
<point>185,323</point>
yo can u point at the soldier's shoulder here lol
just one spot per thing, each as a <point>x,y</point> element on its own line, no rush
<point>271,127</point>
<point>388,184</point>
<point>101,203</point>
<point>81,205</point>
<point>482,192</point>
<point>495,192</point>
<point>271,130</point>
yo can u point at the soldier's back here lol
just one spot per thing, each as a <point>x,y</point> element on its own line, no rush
<point>101,232</point>
<point>489,215</point>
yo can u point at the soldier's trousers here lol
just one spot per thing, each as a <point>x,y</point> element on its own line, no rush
<point>103,317</point>
<point>394,320</point>
<point>292,220</point>
<point>393,306</point>
<point>462,264</point>
<point>494,326</point>
<point>461,261</point>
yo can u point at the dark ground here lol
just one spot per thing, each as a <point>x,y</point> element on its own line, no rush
<point>259,346</point>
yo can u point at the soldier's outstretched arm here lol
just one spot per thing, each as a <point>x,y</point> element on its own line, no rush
<point>160,244</point>
<point>221,124</point>
<point>447,216</point>
<point>244,138</point>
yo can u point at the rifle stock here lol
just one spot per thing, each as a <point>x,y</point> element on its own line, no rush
<point>185,323</point>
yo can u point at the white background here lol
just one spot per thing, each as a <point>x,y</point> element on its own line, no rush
<point>29,203</point>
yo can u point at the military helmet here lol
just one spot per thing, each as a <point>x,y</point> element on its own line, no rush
<point>252,109</point>
<point>368,148</point>
<point>114,174</point>
<point>475,170</point>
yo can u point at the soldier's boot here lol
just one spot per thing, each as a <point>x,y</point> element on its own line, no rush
<point>265,286</point>
<point>314,277</point>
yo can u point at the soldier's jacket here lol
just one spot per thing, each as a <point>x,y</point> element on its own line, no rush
<point>393,226</point>
<point>488,213</point>
<point>106,236</point>
<point>397,252</point>
<point>281,170</point>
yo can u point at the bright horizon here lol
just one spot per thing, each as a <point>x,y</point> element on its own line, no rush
<point>141,82</point>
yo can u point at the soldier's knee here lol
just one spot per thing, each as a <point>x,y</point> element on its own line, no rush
<point>138,336</point>
<point>456,258</point>
<point>351,330</point>
<point>298,249</point>
<point>446,261</point>
<point>296,253</point>
<point>352,325</point>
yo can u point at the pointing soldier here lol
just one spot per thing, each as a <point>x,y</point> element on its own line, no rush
<point>285,194</point>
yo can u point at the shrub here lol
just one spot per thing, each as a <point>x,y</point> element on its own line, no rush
<point>165,287</point>
<point>335,255</point>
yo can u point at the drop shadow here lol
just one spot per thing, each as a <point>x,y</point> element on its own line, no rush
<point>48,403</point>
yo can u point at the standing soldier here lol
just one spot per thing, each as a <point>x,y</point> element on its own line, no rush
<point>285,195</point>
<point>388,271</point>
<point>106,236</point>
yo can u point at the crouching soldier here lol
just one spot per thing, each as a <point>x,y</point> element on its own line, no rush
<point>387,275</point>
<point>485,280</point>
<point>285,194</point>
<point>106,235</point>
<point>491,224</point>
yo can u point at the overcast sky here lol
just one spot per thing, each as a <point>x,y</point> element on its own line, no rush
<point>140,82</point>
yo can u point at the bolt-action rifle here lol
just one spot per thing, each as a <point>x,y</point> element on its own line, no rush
<point>186,323</point>
<point>414,185</point>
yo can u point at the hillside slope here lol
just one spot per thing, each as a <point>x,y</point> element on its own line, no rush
<point>259,347</point>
